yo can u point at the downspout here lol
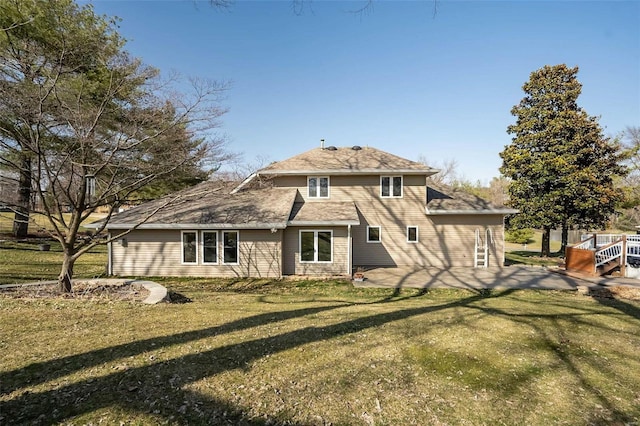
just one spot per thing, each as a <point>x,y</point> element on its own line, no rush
<point>503,244</point>
<point>109,256</point>
<point>282,252</point>
<point>349,260</point>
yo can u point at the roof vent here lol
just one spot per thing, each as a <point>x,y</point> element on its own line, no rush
<point>321,143</point>
<point>356,147</point>
<point>332,148</point>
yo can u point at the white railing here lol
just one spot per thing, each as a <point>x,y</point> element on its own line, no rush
<point>604,239</point>
<point>633,248</point>
<point>609,253</point>
<point>585,244</point>
<point>634,238</point>
<point>609,247</point>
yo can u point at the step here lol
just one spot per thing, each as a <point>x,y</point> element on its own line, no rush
<point>607,267</point>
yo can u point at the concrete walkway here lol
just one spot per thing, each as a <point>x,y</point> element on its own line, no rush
<point>516,276</point>
<point>157,293</point>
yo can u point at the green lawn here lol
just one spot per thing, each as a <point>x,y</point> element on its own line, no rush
<point>535,245</point>
<point>312,352</point>
<point>24,262</point>
<point>38,222</point>
<point>525,257</point>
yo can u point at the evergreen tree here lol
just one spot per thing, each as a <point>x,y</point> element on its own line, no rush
<point>85,125</point>
<point>562,168</point>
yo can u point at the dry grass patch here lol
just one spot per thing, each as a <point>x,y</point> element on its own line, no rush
<point>277,352</point>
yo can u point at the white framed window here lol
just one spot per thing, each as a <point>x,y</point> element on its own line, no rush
<point>318,186</point>
<point>374,234</point>
<point>209,247</point>
<point>412,234</point>
<point>316,246</point>
<point>189,247</point>
<point>391,186</point>
<point>230,247</point>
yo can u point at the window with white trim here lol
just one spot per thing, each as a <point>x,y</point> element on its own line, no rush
<point>209,247</point>
<point>189,247</point>
<point>318,186</point>
<point>391,186</point>
<point>316,246</point>
<point>374,234</point>
<point>230,254</point>
<point>412,234</point>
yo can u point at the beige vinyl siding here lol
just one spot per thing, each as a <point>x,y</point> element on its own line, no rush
<point>291,253</point>
<point>159,253</point>
<point>443,240</point>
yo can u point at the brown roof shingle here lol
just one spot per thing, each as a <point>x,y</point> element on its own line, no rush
<point>324,213</point>
<point>448,200</point>
<point>346,160</point>
<point>210,204</point>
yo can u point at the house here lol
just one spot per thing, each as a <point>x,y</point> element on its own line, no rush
<point>324,212</point>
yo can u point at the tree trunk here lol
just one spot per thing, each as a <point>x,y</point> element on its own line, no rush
<point>23,204</point>
<point>565,239</point>
<point>546,237</point>
<point>66,273</point>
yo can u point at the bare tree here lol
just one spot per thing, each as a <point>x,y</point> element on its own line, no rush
<point>85,125</point>
<point>631,141</point>
<point>448,171</point>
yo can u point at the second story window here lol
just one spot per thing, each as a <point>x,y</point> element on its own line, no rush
<point>318,187</point>
<point>391,186</point>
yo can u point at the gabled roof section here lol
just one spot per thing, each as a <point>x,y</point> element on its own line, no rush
<point>324,214</point>
<point>443,200</point>
<point>211,205</point>
<point>354,160</point>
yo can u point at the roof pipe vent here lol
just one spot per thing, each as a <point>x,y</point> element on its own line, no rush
<point>356,147</point>
<point>321,143</point>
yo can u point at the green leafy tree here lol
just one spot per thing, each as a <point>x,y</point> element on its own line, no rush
<point>85,125</point>
<point>561,167</point>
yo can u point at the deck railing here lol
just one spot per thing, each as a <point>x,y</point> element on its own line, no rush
<point>586,244</point>
<point>596,250</point>
<point>608,253</point>
<point>604,239</point>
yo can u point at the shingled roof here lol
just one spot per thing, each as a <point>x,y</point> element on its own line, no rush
<point>324,213</point>
<point>444,200</point>
<point>354,160</point>
<point>210,204</point>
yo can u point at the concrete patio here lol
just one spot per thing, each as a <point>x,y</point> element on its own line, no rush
<point>516,276</point>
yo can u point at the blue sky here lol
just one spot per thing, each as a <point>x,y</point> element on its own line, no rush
<point>398,77</point>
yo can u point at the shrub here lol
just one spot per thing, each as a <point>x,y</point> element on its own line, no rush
<point>519,236</point>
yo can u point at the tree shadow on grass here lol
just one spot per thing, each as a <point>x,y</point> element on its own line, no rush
<point>161,389</point>
<point>136,389</point>
<point>606,297</point>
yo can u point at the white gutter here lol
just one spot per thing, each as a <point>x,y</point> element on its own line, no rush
<point>109,256</point>
<point>334,172</point>
<point>276,225</point>
<point>471,212</point>
<point>349,250</point>
<point>244,183</point>
<point>322,223</point>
